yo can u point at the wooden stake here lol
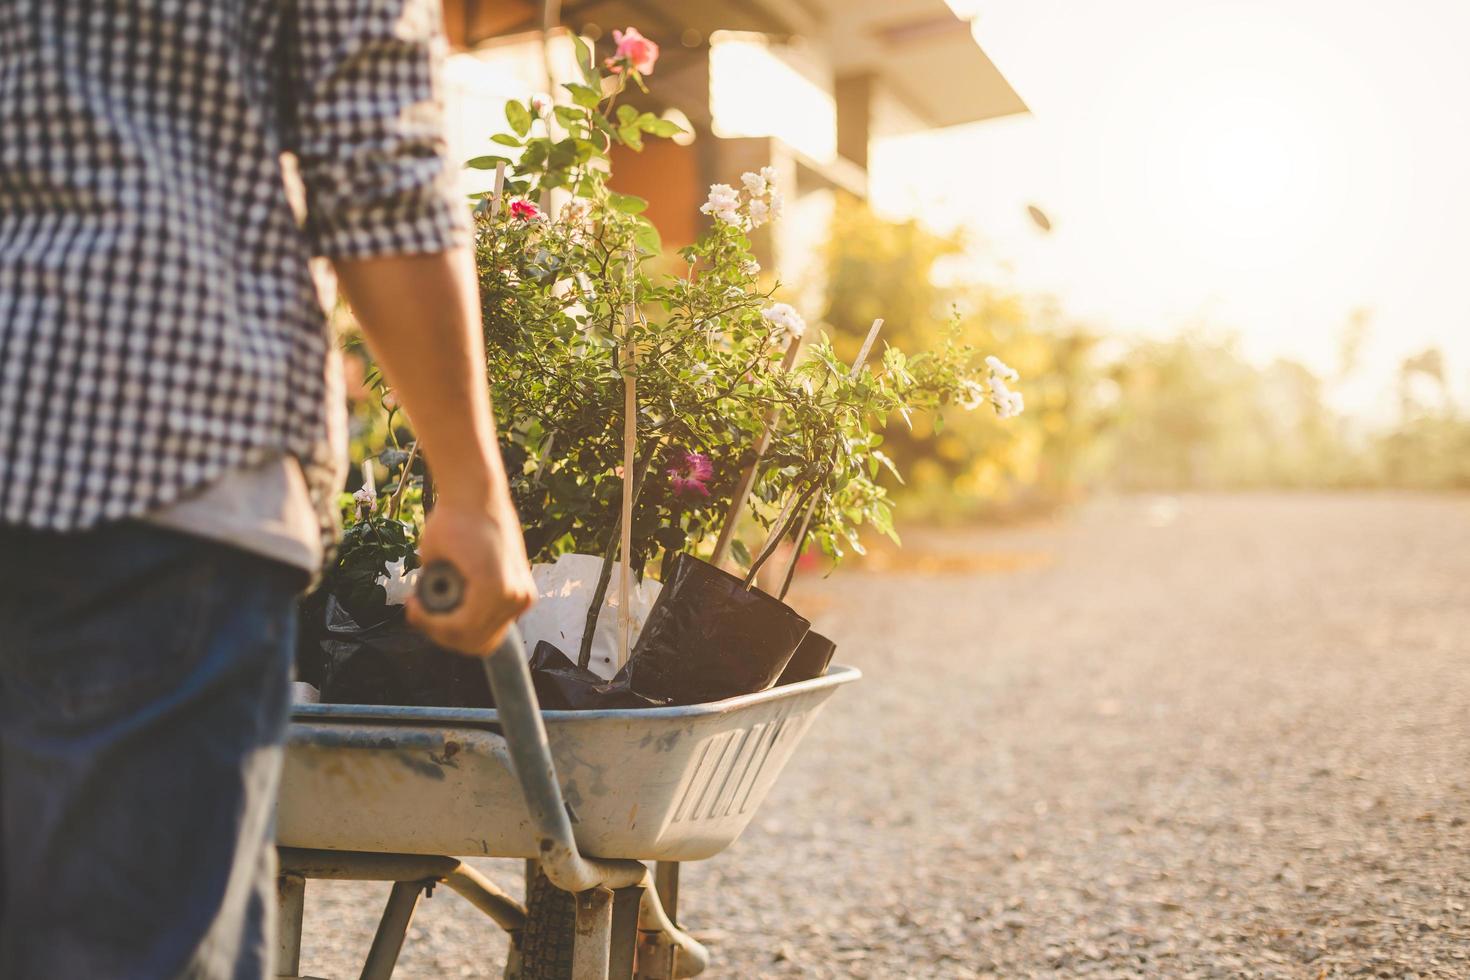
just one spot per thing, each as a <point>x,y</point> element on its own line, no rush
<point>867,347</point>
<point>630,435</point>
<point>499,189</point>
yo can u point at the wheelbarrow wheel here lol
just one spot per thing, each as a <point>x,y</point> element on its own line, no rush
<point>551,926</point>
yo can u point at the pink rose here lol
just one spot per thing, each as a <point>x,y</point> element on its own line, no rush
<point>634,51</point>
<point>525,210</point>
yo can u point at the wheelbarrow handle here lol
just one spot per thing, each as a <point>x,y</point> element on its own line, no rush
<point>440,590</point>
<point>440,587</point>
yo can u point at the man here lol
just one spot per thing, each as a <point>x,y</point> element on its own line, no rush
<point>163,404</point>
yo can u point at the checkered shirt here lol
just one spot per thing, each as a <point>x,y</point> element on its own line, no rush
<point>159,326</point>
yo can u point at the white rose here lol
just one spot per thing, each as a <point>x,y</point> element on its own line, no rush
<point>1002,370</point>
<point>722,197</point>
<point>784,315</point>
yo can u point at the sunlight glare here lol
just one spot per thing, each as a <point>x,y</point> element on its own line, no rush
<point>756,89</point>
<point>1239,167</point>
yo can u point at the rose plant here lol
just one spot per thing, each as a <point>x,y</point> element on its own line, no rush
<point>578,295</point>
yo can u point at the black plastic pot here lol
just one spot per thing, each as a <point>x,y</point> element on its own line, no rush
<point>563,686</point>
<point>390,663</point>
<point>709,637</point>
<point>811,659</point>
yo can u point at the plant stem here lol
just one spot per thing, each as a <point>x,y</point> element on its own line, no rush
<point>396,501</point>
<point>796,547</point>
<point>784,523</point>
<point>747,479</point>
<point>604,576</point>
<point>594,608</point>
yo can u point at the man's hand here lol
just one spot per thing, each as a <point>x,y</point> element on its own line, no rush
<point>489,553</point>
<point>421,316</point>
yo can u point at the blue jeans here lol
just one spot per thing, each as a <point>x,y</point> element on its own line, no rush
<point>144,693</point>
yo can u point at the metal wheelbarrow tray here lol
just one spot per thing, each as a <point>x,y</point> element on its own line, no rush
<point>400,794</point>
<point>666,784</point>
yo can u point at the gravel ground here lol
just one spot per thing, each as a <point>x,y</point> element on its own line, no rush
<point>1174,737</point>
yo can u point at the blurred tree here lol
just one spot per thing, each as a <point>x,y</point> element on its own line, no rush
<point>965,463</point>
<point>1195,414</point>
<point>1430,446</point>
<point>1188,412</point>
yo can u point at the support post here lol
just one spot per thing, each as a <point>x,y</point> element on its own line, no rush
<point>624,951</point>
<point>291,901</point>
<point>592,938</point>
<point>392,928</point>
<point>666,882</point>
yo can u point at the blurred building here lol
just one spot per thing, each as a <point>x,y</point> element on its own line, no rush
<point>805,87</point>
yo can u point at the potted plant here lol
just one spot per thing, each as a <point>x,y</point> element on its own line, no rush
<point>647,401</point>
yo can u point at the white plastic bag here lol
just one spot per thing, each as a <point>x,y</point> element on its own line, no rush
<point>398,585</point>
<point>564,589</point>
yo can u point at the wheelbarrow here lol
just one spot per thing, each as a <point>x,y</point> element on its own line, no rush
<point>401,794</point>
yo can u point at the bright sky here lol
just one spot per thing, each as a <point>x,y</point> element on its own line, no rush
<point>1266,166</point>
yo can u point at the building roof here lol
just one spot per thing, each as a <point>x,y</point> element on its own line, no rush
<point>924,54</point>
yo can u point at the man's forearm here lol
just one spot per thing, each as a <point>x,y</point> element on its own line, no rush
<point>420,315</point>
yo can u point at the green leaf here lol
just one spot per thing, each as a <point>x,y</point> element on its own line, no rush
<point>740,552</point>
<point>631,137</point>
<point>584,58</point>
<point>486,163</point>
<point>586,150</point>
<point>888,464</point>
<point>534,157</point>
<point>505,139</point>
<point>670,537</point>
<point>626,203</point>
<point>519,117</point>
<point>570,116</point>
<point>647,238</point>
<point>584,95</point>
<point>664,128</point>
<point>563,154</point>
<point>627,115</point>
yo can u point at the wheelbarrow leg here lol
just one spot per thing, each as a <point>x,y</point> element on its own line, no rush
<point>658,958</point>
<point>666,883</point>
<point>626,905</point>
<point>592,938</point>
<point>392,929</point>
<point>291,901</point>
